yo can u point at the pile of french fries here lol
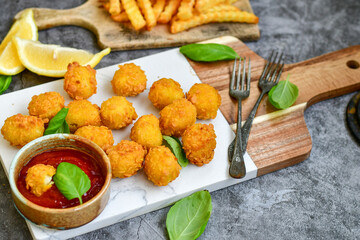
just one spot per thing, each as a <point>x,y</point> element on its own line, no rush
<point>180,14</point>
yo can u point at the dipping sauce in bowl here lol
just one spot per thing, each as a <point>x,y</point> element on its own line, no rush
<point>53,198</point>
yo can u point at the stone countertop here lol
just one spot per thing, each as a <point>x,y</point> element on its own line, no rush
<point>316,199</point>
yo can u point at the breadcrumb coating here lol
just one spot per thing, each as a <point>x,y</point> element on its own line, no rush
<point>39,178</point>
<point>146,131</point>
<point>199,143</point>
<point>102,136</point>
<point>161,166</point>
<point>164,91</point>
<point>82,113</point>
<point>22,129</point>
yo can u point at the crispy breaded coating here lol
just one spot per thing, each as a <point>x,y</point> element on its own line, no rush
<point>22,129</point>
<point>126,158</point>
<point>46,105</point>
<point>199,143</point>
<point>102,136</point>
<point>129,80</point>
<point>176,117</point>
<point>164,91</point>
<point>80,81</point>
<point>117,112</point>
<point>146,131</point>
<point>39,178</point>
<point>161,166</point>
<point>206,99</point>
<point>82,113</point>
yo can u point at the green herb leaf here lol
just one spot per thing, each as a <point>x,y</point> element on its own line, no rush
<point>188,217</point>
<point>71,181</point>
<point>4,83</point>
<point>209,52</point>
<point>176,148</point>
<point>284,94</point>
<point>58,124</point>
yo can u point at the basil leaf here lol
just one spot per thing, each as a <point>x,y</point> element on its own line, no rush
<point>58,124</point>
<point>4,83</point>
<point>209,52</point>
<point>71,181</point>
<point>284,94</point>
<point>176,148</point>
<point>188,217</point>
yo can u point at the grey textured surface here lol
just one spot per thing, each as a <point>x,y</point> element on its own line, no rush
<point>316,199</point>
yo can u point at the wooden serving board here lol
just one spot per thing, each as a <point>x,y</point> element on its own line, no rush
<point>280,139</point>
<point>117,36</point>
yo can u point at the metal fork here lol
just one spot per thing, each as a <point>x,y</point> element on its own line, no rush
<point>237,165</point>
<point>269,78</point>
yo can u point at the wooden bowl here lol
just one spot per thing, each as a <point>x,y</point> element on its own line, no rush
<point>53,217</point>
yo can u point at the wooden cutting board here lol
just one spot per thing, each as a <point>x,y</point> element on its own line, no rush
<point>111,34</point>
<point>280,139</point>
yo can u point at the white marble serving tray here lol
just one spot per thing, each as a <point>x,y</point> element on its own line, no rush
<point>135,195</point>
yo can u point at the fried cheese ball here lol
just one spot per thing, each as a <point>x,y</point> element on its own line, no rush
<point>80,81</point>
<point>46,105</point>
<point>102,136</point>
<point>39,178</point>
<point>206,99</point>
<point>161,166</point>
<point>126,158</point>
<point>129,80</point>
<point>82,113</point>
<point>176,117</point>
<point>146,131</point>
<point>199,143</point>
<point>22,129</point>
<point>117,112</point>
<point>164,91</point>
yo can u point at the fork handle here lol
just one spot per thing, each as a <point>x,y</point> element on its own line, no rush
<point>245,130</point>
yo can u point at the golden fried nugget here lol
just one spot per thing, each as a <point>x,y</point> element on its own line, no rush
<point>146,131</point>
<point>199,143</point>
<point>164,91</point>
<point>39,178</point>
<point>126,158</point>
<point>102,136</point>
<point>129,80</point>
<point>135,16</point>
<point>82,113</point>
<point>147,10</point>
<point>46,105</point>
<point>22,129</point>
<point>176,117</point>
<point>80,81</point>
<point>185,10</point>
<point>170,9</point>
<point>206,99</point>
<point>117,112</point>
<point>161,166</point>
<point>211,16</point>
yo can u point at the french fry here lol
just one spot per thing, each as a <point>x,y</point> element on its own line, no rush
<point>134,14</point>
<point>147,10</point>
<point>158,7</point>
<point>185,10</point>
<point>114,7</point>
<point>122,17</point>
<point>169,11</point>
<point>222,8</point>
<point>106,5</point>
<point>203,5</point>
<point>200,19</point>
<point>230,1</point>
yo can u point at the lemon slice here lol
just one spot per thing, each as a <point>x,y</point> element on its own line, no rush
<point>52,60</point>
<point>24,27</point>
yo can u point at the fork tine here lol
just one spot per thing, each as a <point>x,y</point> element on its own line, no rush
<point>231,87</point>
<point>243,76</point>
<point>271,68</point>
<point>273,77</point>
<point>238,76</point>
<point>278,77</point>
<point>248,77</point>
<point>266,66</point>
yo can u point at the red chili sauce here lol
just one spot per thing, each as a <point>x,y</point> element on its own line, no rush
<point>53,198</point>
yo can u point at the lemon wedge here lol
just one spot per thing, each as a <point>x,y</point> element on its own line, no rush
<point>52,60</point>
<point>25,28</point>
